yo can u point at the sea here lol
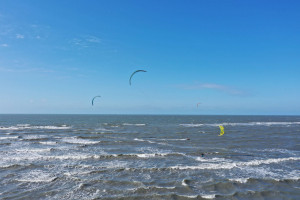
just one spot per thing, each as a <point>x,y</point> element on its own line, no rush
<point>149,157</point>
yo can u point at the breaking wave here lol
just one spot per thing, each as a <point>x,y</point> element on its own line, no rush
<point>230,165</point>
<point>128,124</point>
<point>75,140</point>
<point>27,126</point>
<point>37,176</point>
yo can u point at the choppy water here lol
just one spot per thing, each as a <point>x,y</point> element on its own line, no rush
<point>149,157</point>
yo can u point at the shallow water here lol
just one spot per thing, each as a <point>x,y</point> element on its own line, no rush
<point>149,157</point>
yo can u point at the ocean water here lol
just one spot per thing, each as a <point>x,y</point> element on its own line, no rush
<point>149,157</point>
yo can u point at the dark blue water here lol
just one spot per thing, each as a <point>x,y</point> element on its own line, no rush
<point>149,157</point>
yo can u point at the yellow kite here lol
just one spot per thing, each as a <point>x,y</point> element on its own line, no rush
<point>221,130</point>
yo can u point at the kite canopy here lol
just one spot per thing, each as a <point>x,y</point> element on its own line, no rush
<point>94,99</point>
<point>134,73</point>
<point>221,130</point>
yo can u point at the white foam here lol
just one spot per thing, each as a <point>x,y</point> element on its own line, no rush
<point>145,155</point>
<point>37,176</point>
<point>184,183</point>
<point>115,164</point>
<point>284,151</point>
<point>214,160</point>
<point>127,124</point>
<point>27,126</point>
<point>270,161</point>
<point>9,128</point>
<point>48,143</point>
<point>96,194</point>
<point>27,150</point>
<point>137,139</point>
<point>230,165</point>
<point>192,125</point>
<point>293,175</point>
<point>208,196</point>
<point>149,155</point>
<point>7,138</point>
<point>169,188</point>
<point>179,139</point>
<point>261,124</point>
<point>79,141</point>
<point>13,164</point>
<point>189,196</point>
<point>34,137</point>
<point>51,127</point>
<point>23,124</point>
<point>239,180</point>
<point>71,157</point>
<point>201,159</point>
<point>103,130</point>
<point>150,187</point>
<point>32,155</point>
<point>141,140</point>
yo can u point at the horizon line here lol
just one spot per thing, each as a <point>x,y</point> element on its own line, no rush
<point>151,114</point>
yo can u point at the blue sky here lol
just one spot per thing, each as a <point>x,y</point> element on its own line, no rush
<point>235,57</point>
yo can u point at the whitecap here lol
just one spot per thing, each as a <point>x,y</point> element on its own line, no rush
<point>215,160</point>
<point>128,124</point>
<point>34,137</point>
<point>103,130</point>
<point>137,139</point>
<point>149,155</point>
<point>141,140</point>
<point>33,156</point>
<point>79,141</point>
<point>48,143</point>
<point>28,150</point>
<point>190,196</point>
<point>208,196</point>
<point>27,126</point>
<point>178,139</point>
<point>184,182</point>
<point>37,176</point>
<point>192,125</point>
<point>230,165</point>
<point>239,180</point>
<point>51,127</point>
<point>166,187</point>
<point>7,138</point>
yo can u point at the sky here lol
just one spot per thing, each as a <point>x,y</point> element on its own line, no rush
<point>233,57</point>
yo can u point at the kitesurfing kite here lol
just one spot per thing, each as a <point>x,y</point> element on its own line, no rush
<point>94,99</point>
<point>198,104</point>
<point>134,73</point>
<point>221,130</point>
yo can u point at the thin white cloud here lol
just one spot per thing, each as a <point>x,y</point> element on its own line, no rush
<point>93,39</point>
<point>25,70</point>
<point>86,41</point>
<point>38,31</point>
<point>19,36</point>
<point>79,43</point>
<point>213,86</point>
<point>4,45</point>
